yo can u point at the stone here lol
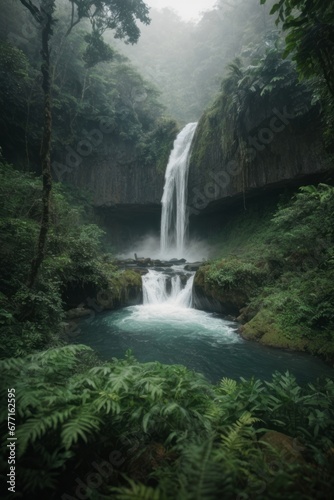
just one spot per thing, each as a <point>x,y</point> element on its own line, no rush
<point>78,312</point>
<point>293,157</point>
<point>144,262</point>
<point>288,448</point>
<point>177,262</point>
<point>193,266</point>
<point>166,263</point>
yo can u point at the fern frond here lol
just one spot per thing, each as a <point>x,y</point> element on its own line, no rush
<point>12,364</point>
<point>82,425</point>
<point>101,370</point>
<point>240,432</point>
<point>228,386</point>
<point>137,491</point>
<point>108,402</point>
<point>35,482</point>
<point>37,427</point>
<point>153,387</point>
<point>200,473</point>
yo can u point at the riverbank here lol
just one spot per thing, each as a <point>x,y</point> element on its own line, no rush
<point>274,272</point>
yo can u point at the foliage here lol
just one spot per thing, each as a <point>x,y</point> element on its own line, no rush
<point>157,145</point>
<point>284,263</point>
<point>115,15</point>
<point>248,96</point>
<point>18,94</point>
<point>235,273</point>
<point>309,29</point>
<point>172,433</point>
<point>97,50</point>
<point>74,257</point>
<point>91,84</point>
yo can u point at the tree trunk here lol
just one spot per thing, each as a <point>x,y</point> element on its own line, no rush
<point>45,150</point>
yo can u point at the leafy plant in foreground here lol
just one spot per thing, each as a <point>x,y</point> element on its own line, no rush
<point>178,436</point>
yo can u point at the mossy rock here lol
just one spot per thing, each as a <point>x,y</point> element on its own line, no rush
<point>124,289</point>
<point>277,445</point>
<point>264,329</point>
<point>228,284</point>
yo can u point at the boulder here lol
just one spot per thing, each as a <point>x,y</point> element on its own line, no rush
<point>193,266</point>
<point>287,448</point>
<point>78,312</point>
<point>177,262</point>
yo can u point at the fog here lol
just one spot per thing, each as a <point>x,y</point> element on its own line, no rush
<point>149,246</point>
<point>188,10</point>
<point>186,61</point>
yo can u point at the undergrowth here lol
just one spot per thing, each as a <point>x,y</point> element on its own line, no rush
<point>128,430</point>
<point>283,262</point>
<point>74,259</point>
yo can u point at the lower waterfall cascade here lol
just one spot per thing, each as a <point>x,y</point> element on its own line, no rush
<point>159,288</point>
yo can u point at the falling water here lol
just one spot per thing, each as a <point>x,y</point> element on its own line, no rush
<point>161,288</point>
<point>174,199</point>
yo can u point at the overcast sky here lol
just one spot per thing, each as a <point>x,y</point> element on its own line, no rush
<point>187,9</point>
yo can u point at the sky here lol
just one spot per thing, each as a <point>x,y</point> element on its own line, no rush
<point>187,9</point>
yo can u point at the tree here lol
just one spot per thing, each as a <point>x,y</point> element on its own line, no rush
<point>117,15</point>
<point>310,36</point>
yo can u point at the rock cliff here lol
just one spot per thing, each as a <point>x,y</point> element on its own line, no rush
<point>115,175</point>
<point>281,149</point>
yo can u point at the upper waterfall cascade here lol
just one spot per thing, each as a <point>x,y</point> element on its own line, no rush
<point>174,217</point>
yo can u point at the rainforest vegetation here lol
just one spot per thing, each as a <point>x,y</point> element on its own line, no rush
<point>71,74</point>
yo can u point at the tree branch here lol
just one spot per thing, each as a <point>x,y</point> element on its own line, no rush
<point>33,10</point>
<point>73,23</point>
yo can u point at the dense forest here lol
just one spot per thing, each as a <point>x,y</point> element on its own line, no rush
<point>94,96</point>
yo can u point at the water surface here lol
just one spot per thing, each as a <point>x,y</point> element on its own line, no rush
<point>202,341</point>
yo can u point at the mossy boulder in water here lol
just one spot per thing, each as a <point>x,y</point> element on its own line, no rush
<point>124,289</point>
<point>226,286</point>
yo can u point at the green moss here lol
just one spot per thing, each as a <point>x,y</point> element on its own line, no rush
<point>122,286</point>
<point>156,146</point>
<point>264,329</point>
<point>282,263</point>
<point>231,281</point>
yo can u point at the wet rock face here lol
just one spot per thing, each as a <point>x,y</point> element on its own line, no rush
<point>289,157</point>
<point>113,174</point>
<point>227,304</point>
<point>211,296</point>
<point>117,179</point>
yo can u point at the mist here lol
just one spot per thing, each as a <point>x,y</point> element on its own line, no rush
<point>186,60</point>
<point>149,246</point>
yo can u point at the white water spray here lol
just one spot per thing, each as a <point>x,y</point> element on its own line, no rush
<point>163,289</point>
<point>174,217</point>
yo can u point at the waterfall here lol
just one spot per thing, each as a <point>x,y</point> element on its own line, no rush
<point>174,217</point>
<point>161,288</point>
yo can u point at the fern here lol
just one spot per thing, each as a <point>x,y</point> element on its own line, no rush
<point>200,474</point>
<point>137,491</point>
<point>35,428</point>
<point>236,437</point>
<point>82,425</point>
<point>208,434</point>
<point>227,386</point>
<point>108,402</point>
